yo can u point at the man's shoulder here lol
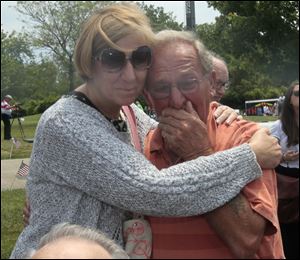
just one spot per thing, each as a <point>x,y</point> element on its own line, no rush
<point>237,127</point>
<point>239,132</point>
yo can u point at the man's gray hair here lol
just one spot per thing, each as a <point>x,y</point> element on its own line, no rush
<point>218,57</point>
<point>75,231</point>
<point>169,36</point>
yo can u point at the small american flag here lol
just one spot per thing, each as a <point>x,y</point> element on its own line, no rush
<point>23,169</point>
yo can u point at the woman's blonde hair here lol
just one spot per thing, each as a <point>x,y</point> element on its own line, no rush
<point>104,28</point>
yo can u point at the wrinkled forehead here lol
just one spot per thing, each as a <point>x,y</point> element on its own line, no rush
<point>174,60</point>
<point>221,71</point>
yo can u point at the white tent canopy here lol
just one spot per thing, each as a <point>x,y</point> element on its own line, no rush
<point>261,100</point>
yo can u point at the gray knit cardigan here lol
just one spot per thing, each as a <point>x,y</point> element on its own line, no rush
<point>83,171</point>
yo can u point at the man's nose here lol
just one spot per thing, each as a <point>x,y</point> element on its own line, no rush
<point>128,72</point>
<point>176,99</point>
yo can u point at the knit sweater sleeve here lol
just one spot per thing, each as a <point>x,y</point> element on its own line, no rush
<point>85,153</point>
<point>144,123</point>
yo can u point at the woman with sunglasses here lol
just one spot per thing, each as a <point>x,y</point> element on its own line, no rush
<point>286,130</point>
<point>84,169</point>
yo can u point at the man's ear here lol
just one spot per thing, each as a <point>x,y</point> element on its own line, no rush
<point>213,83</point>
<point>148,98</point>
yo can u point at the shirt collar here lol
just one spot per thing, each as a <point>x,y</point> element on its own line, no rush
<point>157,146</point>
<point>157,142</point>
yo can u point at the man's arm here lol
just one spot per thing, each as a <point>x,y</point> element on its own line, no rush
<point>238,226</point>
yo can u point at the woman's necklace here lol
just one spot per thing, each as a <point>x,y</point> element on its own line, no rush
<point>119,123</point>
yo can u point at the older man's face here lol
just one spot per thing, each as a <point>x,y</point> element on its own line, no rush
<point>176,77</point>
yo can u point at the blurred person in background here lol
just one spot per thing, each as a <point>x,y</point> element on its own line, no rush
<point>6,111</point>
<point>286,130</point>
<point>222,77</point>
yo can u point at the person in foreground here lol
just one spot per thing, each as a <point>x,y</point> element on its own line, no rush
<point>181,79</point>
<point>66,241</point>
<point>286,130</point>
<point>84,169</point>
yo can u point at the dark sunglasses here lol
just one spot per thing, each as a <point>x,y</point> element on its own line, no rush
<point>114,60</point>
<point>296,93</point>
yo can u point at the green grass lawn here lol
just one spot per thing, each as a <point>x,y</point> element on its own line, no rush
<point>261,118</point>
<point>12,203</point>
<point>29,126</point>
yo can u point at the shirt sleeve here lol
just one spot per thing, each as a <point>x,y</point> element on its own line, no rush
<point>144,123</point>
<point>86,154</point>
<point>276,130</point>
<point>262,196</point>
<point>262,192</point>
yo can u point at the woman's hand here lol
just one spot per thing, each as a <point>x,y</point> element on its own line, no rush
<point>266,148</point>
<point>226,114</point>
<point>184,133</point>
<point>290,156</point>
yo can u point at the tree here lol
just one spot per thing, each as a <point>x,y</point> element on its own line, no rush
<point>268,31</point>
<point>15,53</point>
<point>259,40</point>
<point>159,19</point>
<point>56,27</point>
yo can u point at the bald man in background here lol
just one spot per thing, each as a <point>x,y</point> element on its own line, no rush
<point>222,77</point>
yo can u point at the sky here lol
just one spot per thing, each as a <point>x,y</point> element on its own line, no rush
<point>12,20</point>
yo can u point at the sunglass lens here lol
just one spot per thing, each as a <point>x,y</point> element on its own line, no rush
<point>296,93</point>
<point>113,60</point>
<point>141,58</point>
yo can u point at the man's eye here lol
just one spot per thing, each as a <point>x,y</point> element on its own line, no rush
<point>188,84</point>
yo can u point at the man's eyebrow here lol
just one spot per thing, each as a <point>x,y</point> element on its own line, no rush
<point>190,77</point>
<point>188,74</point>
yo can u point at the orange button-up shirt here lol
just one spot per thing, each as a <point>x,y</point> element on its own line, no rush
<point>192,237</point>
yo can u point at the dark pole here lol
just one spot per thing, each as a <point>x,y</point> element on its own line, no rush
<point>190,14</point>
